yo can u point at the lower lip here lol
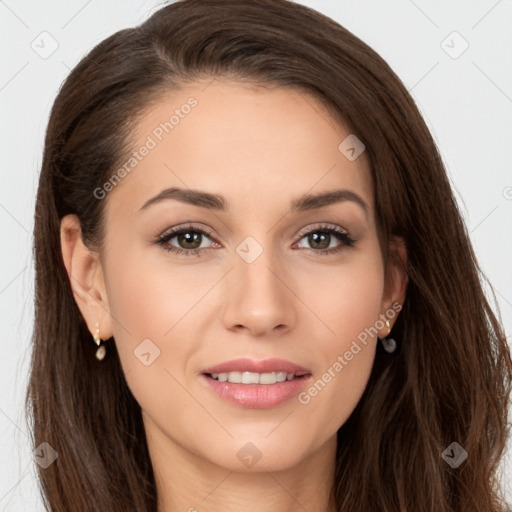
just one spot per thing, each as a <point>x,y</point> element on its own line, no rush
<point>257,396</point>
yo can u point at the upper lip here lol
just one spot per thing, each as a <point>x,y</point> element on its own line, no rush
<point>251,365</point>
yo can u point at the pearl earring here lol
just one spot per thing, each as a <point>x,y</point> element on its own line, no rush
<point>100,353</point>
<point>388,344</point>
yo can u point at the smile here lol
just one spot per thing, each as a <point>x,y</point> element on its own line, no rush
<point>253,377</point>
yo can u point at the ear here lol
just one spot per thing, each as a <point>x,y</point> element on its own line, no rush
<point>396,281</point>
<point>86,278</point>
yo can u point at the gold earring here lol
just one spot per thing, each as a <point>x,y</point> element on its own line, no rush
<point>388,326</point>
<point>100,353</point>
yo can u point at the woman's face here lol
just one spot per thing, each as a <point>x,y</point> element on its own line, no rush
<point>272,267</point>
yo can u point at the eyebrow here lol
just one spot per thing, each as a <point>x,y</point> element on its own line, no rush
<point>219,203</point>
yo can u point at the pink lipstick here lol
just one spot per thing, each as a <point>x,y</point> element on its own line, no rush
<point>256,384</point>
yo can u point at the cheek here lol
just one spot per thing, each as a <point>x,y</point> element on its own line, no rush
<point>347,297</point>
<point>156,307</point>
<point>350,305</point>
<point>151,348</point>
<point>151,299</point>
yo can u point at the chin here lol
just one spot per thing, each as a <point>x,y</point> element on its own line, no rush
<point>259,455</point>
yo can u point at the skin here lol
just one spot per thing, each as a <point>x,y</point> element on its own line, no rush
<point>260,148</point>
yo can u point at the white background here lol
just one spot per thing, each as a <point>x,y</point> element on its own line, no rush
<point>466,102</point>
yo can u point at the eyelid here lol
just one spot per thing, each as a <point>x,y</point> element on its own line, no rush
<point>178,229</point>
<point>197,227</point>
<point>318,226</point>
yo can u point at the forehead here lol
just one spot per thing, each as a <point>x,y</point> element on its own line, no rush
<point>244,142</point>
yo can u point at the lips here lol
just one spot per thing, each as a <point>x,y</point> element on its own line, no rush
<point>256,384</point>
<point>250,365</point>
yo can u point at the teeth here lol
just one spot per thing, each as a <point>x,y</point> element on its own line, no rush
<point>250,377</point>
<point>235,377</point>
<point>253,378</point>
<point>281,376</point>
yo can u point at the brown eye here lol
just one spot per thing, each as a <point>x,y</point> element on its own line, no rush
<point>184,241</point>
<point>320,239</point>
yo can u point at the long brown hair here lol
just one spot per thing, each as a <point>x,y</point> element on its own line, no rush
<point>449,382</point>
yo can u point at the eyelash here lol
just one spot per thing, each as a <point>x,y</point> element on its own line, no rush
<point>347,241</point>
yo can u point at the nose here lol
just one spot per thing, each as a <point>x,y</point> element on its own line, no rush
<point>260,297</point>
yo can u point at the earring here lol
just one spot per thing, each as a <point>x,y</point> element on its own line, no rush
<point>100,353</point>
<point>388,344</point>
